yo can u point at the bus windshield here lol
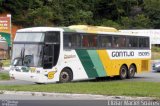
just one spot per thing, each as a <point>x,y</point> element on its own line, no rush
<point>27,49</point>
<point>27,55</point>
<point>29,37</point>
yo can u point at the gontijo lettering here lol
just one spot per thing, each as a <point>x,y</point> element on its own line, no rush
<point>122,53</point>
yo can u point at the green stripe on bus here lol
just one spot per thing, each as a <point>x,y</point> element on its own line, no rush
<point>87,63</point>
<point>97,62</point>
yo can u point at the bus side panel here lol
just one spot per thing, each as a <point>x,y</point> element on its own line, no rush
<point>72,61</point>
<point>97,63</point>
<point>107,64</point>
<point>87,63</point>
<point>112,66</point>
<point>145,65</point>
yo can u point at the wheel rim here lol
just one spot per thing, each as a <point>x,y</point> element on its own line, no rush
<point>123,72</point>
<point>64,76</point>
<point>132,71</point>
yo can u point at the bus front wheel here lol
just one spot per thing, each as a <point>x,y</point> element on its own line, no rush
<point>123,72</point>
<point>131,71</point>
<point>66,75</point>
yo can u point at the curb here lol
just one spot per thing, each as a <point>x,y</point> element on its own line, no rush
<point>69,96</point>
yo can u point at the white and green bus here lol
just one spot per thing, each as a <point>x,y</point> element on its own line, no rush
<point>50,54</point>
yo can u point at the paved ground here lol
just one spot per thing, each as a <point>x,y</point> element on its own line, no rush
<point>15,82</point>
<point>66,103</point>
<point>55,103</point>
<point>81,103</point>
<point>26,95</point>
<point>61,99</point>
<point>147,76</point>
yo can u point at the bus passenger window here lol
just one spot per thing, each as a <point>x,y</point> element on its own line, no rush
<point>143,42</point>
<point>132,41</point>
<point>105,41</point>
<point>89,41</point>
<point>85,41</point>
<point>92,41</point>
<point>119,41</point>
<point>71,40</point>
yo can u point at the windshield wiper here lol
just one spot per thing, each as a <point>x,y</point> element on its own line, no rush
<point>22,54</point>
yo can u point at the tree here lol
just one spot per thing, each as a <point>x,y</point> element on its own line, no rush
<point>115,13</point>
<point>152,10</point>
<point>140,21</point>
<point>40,17</point>
<point>126,22</point>
<point>109,23</point>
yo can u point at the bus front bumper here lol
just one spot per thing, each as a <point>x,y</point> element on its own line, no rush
<point>27,76</point>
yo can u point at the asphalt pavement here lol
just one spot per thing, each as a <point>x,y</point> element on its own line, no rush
<point>55,103</point>
<point>151,76</point>
<point>62,99</point>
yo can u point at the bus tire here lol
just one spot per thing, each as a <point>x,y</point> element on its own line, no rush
<point>123,72</point>
<point>131,72</point>
<point>66,75</point>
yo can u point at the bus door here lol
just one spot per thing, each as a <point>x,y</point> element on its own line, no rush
<point>51,49</point>
<point>48,58</point>
<point>51,55</point>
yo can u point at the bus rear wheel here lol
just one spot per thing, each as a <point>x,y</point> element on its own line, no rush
<point>131,72</point>
<point>66,75</point>
<point>123,72</point>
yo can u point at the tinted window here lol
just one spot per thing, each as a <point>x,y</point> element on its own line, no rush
<point>143,42</point>
<point>89,41</point>
<point>52,37</point>
<point>105,41</point>
<point>119,41</point>
<point>72,40</point>
<point>132,41</point>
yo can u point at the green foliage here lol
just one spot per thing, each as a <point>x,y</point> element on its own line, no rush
<point>105,22</point>
<point>155,49</point>
<point>40,16</point>
<point>152,10</point>
<point>4,76</point>
<point>115,13</point>
<point>6,63</point>
<point>140,21</point>
<point>155,53</point>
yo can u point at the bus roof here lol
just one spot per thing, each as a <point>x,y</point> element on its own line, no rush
<point>73,28</point>
<point>92,29</point>
<point>79,29</point>
<point>40,29</point>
